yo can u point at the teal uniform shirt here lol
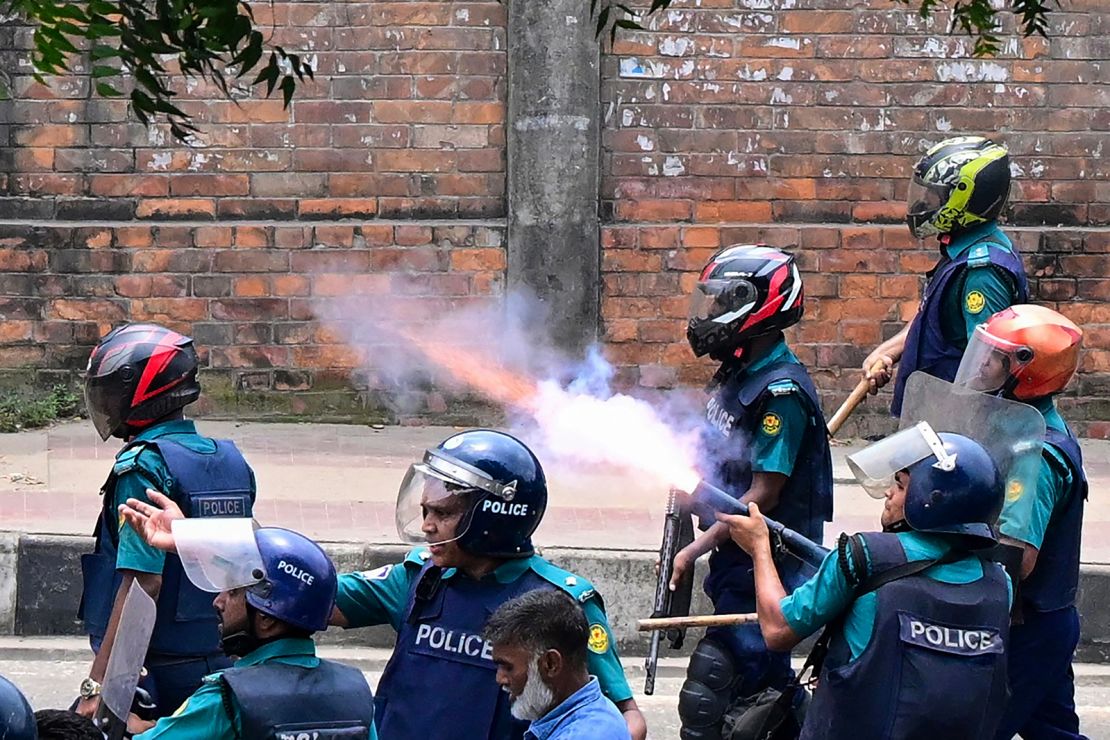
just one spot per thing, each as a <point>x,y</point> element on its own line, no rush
<point>1026,518</point>
<point>139,469</point>
<point>381,597</point>
<point>204,714</point>
<point>984,290</point>
<point>827,595</point>
<point>783,420</point>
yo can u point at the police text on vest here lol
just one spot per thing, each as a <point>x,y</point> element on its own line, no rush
<point>450,641</point>
<point>967,641</point>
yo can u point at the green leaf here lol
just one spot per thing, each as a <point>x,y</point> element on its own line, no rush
<point>602,19</point>
<point>104,90</point>
<point>288,85</point>
<point>103,70</point>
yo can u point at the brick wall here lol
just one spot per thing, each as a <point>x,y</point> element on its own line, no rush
<point>788,121</point>
<point>392,160</point>
<point>796,122</point>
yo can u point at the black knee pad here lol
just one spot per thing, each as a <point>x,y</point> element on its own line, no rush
<point>707,692</point>
<point>712,665</point>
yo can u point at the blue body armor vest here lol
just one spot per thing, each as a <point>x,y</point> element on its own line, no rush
<point>805,503</point>
<point>285,702</point>
<point>935,666</point>
<point>216,484</point>
<point>927,347</point>
<point>1055,580</point>
<point>441,638</point>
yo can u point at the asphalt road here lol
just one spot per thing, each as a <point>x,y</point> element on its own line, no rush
<point>50,683</point>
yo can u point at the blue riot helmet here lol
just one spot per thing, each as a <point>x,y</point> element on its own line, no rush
<point>17,721</point>
<point>286,575</point>
<point>955,486</point>
<point>489,483</point>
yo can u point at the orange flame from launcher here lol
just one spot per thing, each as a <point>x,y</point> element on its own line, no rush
<point>492,380</point>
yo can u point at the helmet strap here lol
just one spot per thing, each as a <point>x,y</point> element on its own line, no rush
<point>899,526</point>
<point>243,642</point>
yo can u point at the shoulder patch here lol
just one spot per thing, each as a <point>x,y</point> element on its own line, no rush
<point>975,302</point>
<point>783,388</point>
<point>979,255</point>
<point>599,638</point>
<point>771,424</point>
<point>417,556</point>
<point>576,586</point>
<point>1014,489</point>
<point>378,574</point>
<point>127,460</point>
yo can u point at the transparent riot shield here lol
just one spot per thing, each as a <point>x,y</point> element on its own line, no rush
<point>121,676</point>
<point>1012,432</point>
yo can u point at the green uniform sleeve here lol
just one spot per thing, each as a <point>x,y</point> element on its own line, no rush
<point>985,293</point>
<point>375,596</point>
<point>202,715</point>
<point>782,426</point>
<point>1026,517</point>
<point>819,600</point>
<point>602,658</point>
<point>134,553</point>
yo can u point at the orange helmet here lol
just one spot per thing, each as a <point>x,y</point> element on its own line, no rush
<point>1022,352</point>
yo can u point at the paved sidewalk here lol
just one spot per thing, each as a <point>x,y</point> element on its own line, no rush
<point>339,483</point>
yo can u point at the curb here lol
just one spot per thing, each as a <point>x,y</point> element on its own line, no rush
<point>40,587</point>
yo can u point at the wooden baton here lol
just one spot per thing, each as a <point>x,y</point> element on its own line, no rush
<point>855,398</point>
<point>708,620</point>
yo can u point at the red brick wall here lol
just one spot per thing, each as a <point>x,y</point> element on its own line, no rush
<point>796,122</point>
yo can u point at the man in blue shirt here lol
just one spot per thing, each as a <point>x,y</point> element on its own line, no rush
<point>958,191</point>
<point>540,648</point>
<point>140,377</point>
<point>916,618</point>
<point>1029,354</point>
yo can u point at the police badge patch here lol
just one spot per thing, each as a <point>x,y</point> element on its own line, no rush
<point>772,424</point>
<point>378,574</point>
<point>599,638</point>
<point>975,302</point>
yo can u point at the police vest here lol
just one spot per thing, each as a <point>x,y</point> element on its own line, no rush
<point>734,414</point>
<point>278,701</point>
<point>440,681</point>
<point>205,485</point>
<point>1055,579</point>
<point>935,666</point>
<point>927,348</point>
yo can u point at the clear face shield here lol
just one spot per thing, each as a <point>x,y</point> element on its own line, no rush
<point>875,465</point>
<point>924,199</point>
<point>722,301</point>
<point>219,554</point>
<point>442,490</point>
<point>990,363</point>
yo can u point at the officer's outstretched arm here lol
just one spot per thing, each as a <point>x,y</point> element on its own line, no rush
<point>750,533</point>
<point>153,521</point>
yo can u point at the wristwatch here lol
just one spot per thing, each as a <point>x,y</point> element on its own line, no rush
<point>89,688</point>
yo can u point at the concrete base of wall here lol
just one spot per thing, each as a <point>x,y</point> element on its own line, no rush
<point>40,587</point>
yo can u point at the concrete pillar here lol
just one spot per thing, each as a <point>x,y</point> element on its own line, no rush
<point>553,150</point>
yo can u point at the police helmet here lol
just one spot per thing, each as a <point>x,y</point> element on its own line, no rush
<point>137,374</point>
<point>959,183</point>
<point>494,484</point>
<point>745,291</point>
<point>300,582</point>
<point>17,721</point>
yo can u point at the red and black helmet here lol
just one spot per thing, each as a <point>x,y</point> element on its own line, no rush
<point>138,374</point>
<point>744,292</point>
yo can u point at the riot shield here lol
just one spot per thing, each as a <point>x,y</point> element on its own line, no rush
<point>1011,431</point>
<point>121,676</point>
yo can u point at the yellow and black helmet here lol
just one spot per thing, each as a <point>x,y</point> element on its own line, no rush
<point>959,183</point>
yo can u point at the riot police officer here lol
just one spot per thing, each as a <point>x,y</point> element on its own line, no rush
<point>1030,353</point>
<point>916,617</point>
<point>765,442</point>
<point>139,378</point>
<point>275,589</point>
<point>958,191</point>
<point>17,721</point>
<point>474,502</point>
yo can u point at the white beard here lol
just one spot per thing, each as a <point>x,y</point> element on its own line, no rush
<point>536,698</point>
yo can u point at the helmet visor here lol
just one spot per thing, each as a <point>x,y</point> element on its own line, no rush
<point>428,494</point>
<point>925,198</point>
<point>218,554</point>
<point>875,465</point>
<point>989,363</point>
<point>98,401</point>
<point>722,301</point>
